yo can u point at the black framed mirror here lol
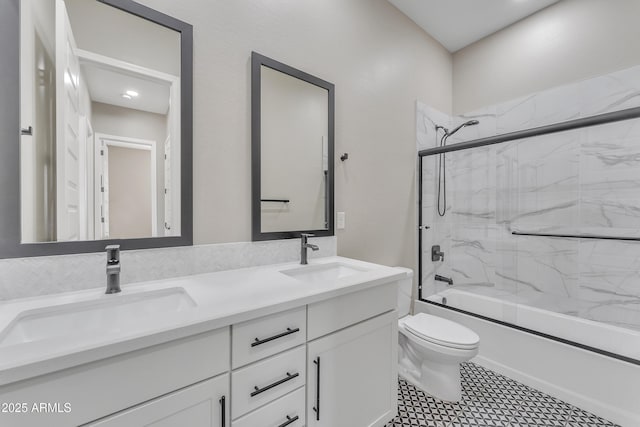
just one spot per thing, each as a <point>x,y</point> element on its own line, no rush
<point>292,151</point>
<point>95,127</point>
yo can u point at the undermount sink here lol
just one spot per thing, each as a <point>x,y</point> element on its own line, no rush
<point>323,272</point>
<point>105,315</point>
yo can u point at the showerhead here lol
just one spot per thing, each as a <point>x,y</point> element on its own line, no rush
<point>442,176</point>
<point>468,123</point>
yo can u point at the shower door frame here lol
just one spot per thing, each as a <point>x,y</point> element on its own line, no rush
<point>585,122</point>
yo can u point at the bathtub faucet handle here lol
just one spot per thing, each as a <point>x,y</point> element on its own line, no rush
<point>436,253</point>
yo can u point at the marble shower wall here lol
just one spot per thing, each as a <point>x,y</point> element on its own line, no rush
<point>578,182</point>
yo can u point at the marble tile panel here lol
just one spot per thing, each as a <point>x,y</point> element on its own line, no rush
<point>472,257</point>
<point>610,211</point>
<point>549,163</point>
<point>545,209</point>
<point>506,181</point>
<point>429,187</point>
<point>472,186</point>
<point>548,265</point>
<point>551,106</point>
<point>611,92</point>
<point>609,272</point>
<point>506,260</point>
<point>474,169</point>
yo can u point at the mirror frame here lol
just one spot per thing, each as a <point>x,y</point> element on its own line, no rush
<point>257,61</point>
<point>11,245</point>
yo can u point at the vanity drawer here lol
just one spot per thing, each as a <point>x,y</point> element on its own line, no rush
<point>338,313</point>
<point>259,338</point>
<point>269,379</point>
<point>287,411</point>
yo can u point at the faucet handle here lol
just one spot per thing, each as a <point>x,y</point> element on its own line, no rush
<point>307,234</point>
<point>436,253</point>
<point>113,254</point>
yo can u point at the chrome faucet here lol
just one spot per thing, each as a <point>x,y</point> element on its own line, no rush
<point>444,279</point>
<point>113,269</point>
<point>304,245</point>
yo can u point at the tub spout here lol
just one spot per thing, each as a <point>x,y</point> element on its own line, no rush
<point>444,279</point>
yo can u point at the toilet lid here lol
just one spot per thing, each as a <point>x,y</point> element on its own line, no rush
<point>441,331</point>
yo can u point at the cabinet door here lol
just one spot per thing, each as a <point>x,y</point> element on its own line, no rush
<point>352,375</point>
<point>205,404</point>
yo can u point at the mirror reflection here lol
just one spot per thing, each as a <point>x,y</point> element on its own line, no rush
<point>294,153</point>
<point>100,118</point>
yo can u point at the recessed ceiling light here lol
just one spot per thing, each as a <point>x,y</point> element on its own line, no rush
<point>126,96</point>
<point>132,93</point>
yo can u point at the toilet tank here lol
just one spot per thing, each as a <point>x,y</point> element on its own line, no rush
<point>405,286</point>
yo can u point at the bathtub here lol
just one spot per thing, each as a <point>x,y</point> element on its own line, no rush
<point>610,339</point>
<point>583,375</point>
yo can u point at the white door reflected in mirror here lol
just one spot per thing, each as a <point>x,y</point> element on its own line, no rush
<point>102,159</point>
<point>126,169</point>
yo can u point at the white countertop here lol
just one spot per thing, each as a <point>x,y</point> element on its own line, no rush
<point>222,298</point>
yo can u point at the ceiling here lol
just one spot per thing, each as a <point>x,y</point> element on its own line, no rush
<point>107,85</point>
<point>458,23</point>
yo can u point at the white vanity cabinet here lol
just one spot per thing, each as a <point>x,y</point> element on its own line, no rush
<point>205,404</point>
<point>352,373</point>
<point>350,357</point>
<point>326,360</point>
<point>130,381</point>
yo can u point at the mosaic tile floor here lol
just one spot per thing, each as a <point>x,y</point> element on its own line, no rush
<point>489,399</point>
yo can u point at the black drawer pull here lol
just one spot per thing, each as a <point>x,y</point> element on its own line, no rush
<point>223,408</point>
<point>316,408</point>
<point>289,331</point>
<point>259,390</point>
<point>289,421</point>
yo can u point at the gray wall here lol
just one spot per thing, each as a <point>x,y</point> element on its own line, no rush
<point>571,40</point>
<point>380,62</point>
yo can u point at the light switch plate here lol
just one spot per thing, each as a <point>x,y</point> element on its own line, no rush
<point>340,219</point>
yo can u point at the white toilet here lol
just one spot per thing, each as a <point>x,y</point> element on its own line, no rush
<point>431,348</point>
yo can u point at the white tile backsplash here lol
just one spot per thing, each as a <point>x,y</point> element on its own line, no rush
<point>28,277</point>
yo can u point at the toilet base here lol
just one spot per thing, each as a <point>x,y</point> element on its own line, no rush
<point>441,381</point>
<point>433,368</point>
<point>433,372</point>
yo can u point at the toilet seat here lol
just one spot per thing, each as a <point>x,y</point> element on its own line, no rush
<point>440,331</point>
